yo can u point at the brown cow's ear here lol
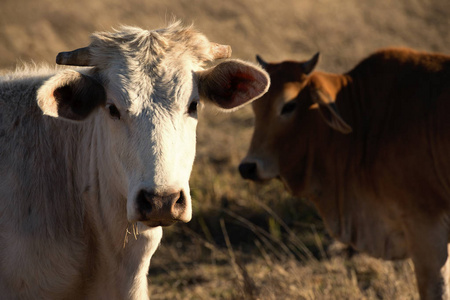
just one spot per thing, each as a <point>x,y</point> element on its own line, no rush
<point>232,84</point>
<point>70,95</point>
<point>329,112</point>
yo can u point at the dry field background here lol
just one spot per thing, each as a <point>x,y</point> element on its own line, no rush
<point>246,241</point>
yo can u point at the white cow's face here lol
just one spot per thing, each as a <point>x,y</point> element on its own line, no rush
<point>142,97</point>
<point>151,126</point>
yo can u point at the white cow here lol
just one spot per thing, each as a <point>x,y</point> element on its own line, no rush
<point>89,156</point>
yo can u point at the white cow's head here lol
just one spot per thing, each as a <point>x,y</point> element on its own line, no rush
<point>142,95</point>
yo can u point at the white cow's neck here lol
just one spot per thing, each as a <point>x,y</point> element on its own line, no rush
<point>125,249</point>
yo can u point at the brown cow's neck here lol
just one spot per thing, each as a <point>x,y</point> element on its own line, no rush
<point>342,178</point>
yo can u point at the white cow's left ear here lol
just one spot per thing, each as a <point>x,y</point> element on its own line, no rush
<point>232,83</point>
<point>70,95</point>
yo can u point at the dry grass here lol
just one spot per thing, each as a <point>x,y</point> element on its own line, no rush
<point>237,247</point>
<point>200,269</point>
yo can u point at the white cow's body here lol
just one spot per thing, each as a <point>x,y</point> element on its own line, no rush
<point>79,177</point>
<point>60,235</point>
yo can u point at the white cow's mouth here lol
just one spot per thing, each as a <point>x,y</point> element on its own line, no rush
<point>156,223</point>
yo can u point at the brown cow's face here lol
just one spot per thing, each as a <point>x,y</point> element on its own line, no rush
<point>291,120</point>
<point>283,121</point>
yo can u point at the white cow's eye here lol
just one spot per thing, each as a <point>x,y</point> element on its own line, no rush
<point>192,110</point>
<point>113,112</point>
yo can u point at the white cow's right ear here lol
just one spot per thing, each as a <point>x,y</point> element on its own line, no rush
<point>232,83</point>
<point>70,95</point>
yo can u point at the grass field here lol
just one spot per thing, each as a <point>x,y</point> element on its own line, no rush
<point>247,241</point>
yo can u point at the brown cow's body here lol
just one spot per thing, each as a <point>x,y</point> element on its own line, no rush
<point>371,149</point>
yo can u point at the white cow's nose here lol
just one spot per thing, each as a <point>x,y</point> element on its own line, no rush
<point>162,208</point>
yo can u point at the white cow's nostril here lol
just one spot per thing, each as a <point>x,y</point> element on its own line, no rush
<point>182,199</point>
<point>165,207</point>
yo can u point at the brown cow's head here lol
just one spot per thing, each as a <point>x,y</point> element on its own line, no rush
<point>288,121</point>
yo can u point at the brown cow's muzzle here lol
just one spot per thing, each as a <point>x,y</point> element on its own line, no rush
<point>162,209</point>
<point>249,170</point>
<point>258,170</point>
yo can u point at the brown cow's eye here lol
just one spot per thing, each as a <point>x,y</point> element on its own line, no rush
<point>288,107</point>
<point>114,112</point>
<point>192,110</point>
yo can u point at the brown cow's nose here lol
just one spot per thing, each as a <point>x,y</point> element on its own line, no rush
<point>162,209</point>
<point>248,171</point>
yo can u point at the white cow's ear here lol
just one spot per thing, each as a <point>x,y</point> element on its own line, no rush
<point>70,95</point>
<point>329,112</point>
<point>232,84</point>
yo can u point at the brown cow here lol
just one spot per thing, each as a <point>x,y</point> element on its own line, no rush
<point>370,148</point>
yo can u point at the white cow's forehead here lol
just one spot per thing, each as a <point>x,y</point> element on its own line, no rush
<point>148,47</point>
<point>141,65</point>
<point>166,88</point>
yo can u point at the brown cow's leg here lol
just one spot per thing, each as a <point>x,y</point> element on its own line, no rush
<point>428,249</point>
<point>446,275</point>
<point>430,281</point>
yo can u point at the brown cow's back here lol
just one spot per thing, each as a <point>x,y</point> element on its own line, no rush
<point>401,100</point>
<point>396,104</point>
